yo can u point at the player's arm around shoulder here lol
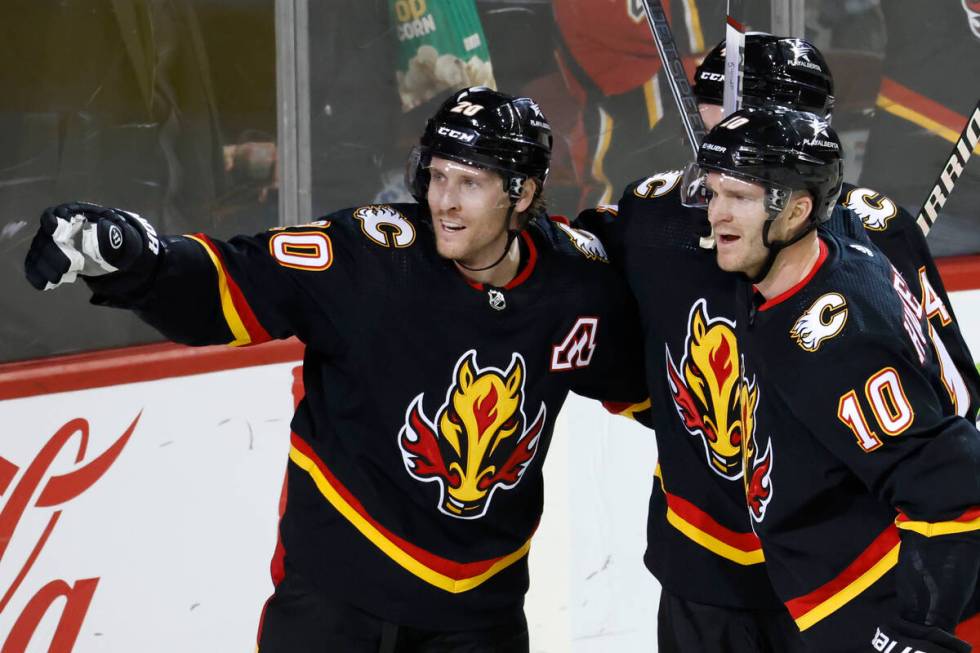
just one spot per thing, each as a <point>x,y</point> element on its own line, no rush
<point>614,368</point>
<point>611,222</point>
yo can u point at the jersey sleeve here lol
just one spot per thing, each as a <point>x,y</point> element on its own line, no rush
<point>615,374</point>
<point>894,231</point>
<point>244,291</point>
<point>875,407</point>
<point>909,253</point>
<point>604,223</point>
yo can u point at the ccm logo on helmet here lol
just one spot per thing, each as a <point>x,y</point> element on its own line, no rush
<point>713,77</point>
<point>455,133</point>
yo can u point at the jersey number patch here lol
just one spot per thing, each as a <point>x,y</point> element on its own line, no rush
<point>889,404</point>
<point>302,250</point>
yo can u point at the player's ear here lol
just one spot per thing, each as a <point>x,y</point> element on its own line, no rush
<point>528,191</point>
<point>802,208</point>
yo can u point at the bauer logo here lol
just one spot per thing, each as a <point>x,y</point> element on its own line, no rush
<point>479,442</point>
<point>714,148</point>
<point>455,133</point>
<point>115,237</point>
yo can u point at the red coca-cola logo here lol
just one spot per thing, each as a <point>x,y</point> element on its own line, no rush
<point>40,488</point>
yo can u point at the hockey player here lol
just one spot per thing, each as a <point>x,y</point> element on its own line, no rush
<point>862,481</point>
<point>700,545</point>
<point>441,340</point>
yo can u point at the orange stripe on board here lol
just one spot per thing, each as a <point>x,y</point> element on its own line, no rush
<point>448,575</point>
<point>880,556</point>
<point>109,367</point>
<point>959,272</point>
<point>238,314</point>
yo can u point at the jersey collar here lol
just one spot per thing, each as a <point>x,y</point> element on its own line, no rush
<point>524,273</point>
<point>783,296</point>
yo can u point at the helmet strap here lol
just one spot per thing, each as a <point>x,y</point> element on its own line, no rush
<point>511,235</point>
<point>778,246</point>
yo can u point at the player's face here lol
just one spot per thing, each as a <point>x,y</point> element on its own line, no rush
<point>469,211</point>
<point>737,214</point>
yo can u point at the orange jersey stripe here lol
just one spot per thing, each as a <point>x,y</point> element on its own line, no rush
<point>238,314</point>
<point>739,547</point>
<point>626,409</point>
<point>880,556</point>
<point>441,572</point>
<point>968,521</point>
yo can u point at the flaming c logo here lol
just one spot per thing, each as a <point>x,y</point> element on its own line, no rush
<point>705,390</point>
<point>478,442</point>
<point>758,469</point>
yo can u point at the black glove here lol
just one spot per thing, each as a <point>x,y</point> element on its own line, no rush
<point>901,635</point>
<point>90,240</point>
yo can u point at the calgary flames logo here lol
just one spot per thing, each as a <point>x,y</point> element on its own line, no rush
<point>478,442</point>
<point>706,396</point>
<point>758,469</point>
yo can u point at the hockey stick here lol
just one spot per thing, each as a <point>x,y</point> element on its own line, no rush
<point>680,88</point>
<point>965,144</point>
<point>734,57</point>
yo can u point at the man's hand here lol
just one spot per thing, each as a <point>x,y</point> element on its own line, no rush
<point>87,239</point>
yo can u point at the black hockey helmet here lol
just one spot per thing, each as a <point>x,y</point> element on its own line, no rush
<point>781,149</point>
<point>486,129</point>
<point>788,72</point>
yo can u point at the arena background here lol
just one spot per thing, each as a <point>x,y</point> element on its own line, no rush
<point>231,116</point>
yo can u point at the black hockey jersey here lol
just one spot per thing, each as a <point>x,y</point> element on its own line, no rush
<point>852,446</point>
<point>414,483</point>
<point>700,544</point>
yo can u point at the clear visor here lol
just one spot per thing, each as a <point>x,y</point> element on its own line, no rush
<point>697,193</point>
<point>452,180</point>
<point>694,187</point>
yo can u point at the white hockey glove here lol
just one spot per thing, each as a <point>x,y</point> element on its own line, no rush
<point>90,240</point>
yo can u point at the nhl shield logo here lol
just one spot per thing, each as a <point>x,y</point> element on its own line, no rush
<point>480,441</point>
<point>497,300</point>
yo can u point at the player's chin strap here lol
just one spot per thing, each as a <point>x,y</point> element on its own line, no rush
<point>777,247</point>
<point>511,235</point>
<point>514,191</point>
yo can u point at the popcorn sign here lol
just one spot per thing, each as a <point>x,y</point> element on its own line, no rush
<point>441,47</point>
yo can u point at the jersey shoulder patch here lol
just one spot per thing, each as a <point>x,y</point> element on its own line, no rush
<point>657,185</point>
<point>585,242</point>
<point>822,320</point>
<point>874,209</point>
<point>385,225</point>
